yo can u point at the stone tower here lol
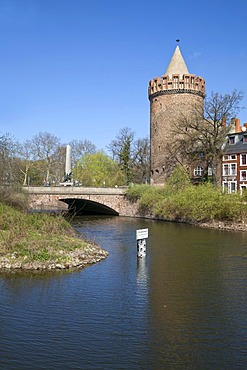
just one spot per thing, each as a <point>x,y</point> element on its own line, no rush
<point>176,93</point>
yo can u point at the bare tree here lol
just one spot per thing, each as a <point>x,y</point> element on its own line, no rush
<point>141,161</point>
<point>122,151</point>
<point>44,147</point>
<point>132,156</point>
<point>8,168</point>
<point>26,162</point>
<point>202,135</point>
<point>58,167</point>
<point>79,148</point>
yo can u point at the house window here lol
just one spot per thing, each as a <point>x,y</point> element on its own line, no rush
<point>230,169</point>
<point>229,157</point>
<point>198,171</point>
<point>245,139</point>
<point>225,170</point>
<point>232,187</point>
<point>243,189</point>
<point>233,169</point>
<point>243,175</point>
<point>225,187</point>
<point>242,159</point>
<point>229,186</point>
<point>232,140</point>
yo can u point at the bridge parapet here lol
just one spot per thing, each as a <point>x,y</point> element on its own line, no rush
<point>51,198</point>
<point>73,190</point>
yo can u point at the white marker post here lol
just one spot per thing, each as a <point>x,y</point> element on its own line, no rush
<point>141,236</point>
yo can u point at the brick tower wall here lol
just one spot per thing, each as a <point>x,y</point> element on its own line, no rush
<point>170,100</point>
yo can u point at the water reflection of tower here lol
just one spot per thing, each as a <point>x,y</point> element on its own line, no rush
<point>142,298</point>
<point>141,270</point>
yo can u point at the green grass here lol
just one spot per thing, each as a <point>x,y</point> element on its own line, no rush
<point>36,237</point>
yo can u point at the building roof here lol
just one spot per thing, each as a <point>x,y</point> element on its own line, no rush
<point>177,64</point>
<point>240,145</point>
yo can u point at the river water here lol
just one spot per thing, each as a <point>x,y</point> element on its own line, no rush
<point>183,306</point>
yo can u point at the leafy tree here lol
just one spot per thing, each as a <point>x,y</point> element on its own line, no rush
<point>179,179</point>
<point>98,170</point>
<point>202,135</point>
<point>78,149</point>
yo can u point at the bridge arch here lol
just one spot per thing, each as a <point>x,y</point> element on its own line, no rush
<point>80,206</point>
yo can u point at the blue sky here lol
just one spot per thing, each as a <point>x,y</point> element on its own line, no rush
<point>79,69</point>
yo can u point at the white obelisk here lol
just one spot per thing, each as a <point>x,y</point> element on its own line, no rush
<point>68,161</point>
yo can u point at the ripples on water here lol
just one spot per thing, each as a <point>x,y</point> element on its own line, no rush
<point>181,307</point>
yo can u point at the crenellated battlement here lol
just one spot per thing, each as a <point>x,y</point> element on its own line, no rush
<point>187,83</point>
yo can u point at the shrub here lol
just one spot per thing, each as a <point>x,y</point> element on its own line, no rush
<point>14,197</point>
<point>149,199</point>
<point>179,179</point>
<point>191,203</point>
<point>135,192</point>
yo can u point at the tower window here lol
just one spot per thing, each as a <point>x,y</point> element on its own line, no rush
<point>198,171</point>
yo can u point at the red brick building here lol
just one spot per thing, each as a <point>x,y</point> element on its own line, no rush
<point>234,160</point>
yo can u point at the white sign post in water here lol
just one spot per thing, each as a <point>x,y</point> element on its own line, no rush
<point>141,236</point>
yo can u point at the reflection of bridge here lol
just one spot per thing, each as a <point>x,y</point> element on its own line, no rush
<point>111,201</point>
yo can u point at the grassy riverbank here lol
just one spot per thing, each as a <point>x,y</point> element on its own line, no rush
<point>188,203</point>
<point>41,241</point>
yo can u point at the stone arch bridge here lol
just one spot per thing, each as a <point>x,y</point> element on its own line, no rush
<point>80,200</point>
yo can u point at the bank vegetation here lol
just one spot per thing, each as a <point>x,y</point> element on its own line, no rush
<point>181,201</point>
<point>40,241</point>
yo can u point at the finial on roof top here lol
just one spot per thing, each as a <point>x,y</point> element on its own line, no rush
<point>177,40</point>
